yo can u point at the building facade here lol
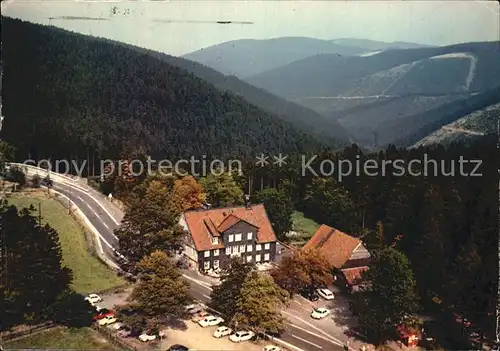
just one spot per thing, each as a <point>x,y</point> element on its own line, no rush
<point>215,235</point>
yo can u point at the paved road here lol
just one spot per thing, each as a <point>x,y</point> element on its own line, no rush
<point>303,332</point>
<point>91,206</point>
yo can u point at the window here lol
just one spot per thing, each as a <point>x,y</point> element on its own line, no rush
<point>216,264</point>
<point>231,238</point>
<point>206,265</point>
<point>249,258</point>
<point>237,237</point>
<point>249,236</point>
<point>235,249</point>
<point>215,241</point>
<point>257,258</point>
<point>266,257</point>
<point>216,252</point>
<point>207,253</point>
<point>258,247</point>
<point>242,248</point>
<point>228,250</point>
<point>249,248</point>
<point>267,246</point>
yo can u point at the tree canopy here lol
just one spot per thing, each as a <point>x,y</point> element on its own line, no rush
<point>258,304</point>
<point>279,208</point>
<point>305,269</point>
<point>151,218</point>
<point>222,190</point>
<point>33,276</point>
<point>249,299</point>
<point>161,291</point>
<point>389,298</point>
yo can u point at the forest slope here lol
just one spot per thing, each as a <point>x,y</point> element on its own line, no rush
<point>68,95</point>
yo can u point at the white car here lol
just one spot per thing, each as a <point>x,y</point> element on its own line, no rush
<point>146,337</point>
<point>117,326</point>
<point>319,313</point>
<point>107,320</point>
<point>210,321</point>
<point>241,336</point>
<point>93,299</point>
<point>271,348</point>
<point>222,331</point>
<point>194,308</point>
<point>325,293</point>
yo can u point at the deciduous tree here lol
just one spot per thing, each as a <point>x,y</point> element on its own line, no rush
<point>151,220</point>
<point>279,208</point>
<point>391,296</point>
<point>223,296</point>
<point>222,190</point>
<point>305,269</point>
<point>161,291</point>
<point>258,305</point>
<point>188,193</point>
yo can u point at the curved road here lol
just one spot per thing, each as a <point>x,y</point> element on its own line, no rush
<point>303,334</point>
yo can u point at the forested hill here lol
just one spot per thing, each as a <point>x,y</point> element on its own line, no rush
<point>329,131</point>
<point>70,95</point>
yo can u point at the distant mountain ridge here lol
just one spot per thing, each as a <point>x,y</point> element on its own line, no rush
<point>371,95</point>
<point>375,45</point>
<point>247,57</point>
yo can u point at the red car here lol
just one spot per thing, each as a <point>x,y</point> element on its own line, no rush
<point>101,313</point>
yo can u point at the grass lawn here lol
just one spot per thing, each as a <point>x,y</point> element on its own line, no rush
<point>64,339</point>
<point>89,274</point>
<point>302,224</point>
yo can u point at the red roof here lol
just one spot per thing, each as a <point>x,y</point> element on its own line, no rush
<point>335,245</point>
<point>353,275</point>
<point>228,222</point>
<point>201,222</point>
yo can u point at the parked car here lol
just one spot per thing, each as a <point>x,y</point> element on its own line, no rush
<point>118,326</point>
<point>178,347</point>
<point>101,313</point>
<point>319,313</point>
<point>199,316</point>
<point>107,320</point>
<point>310,295</point>
<point>240,336</point>
<point>222,331</point>
<point>210,321</point>
<point>93,299</point>
<point>271,348</point>
<point>326,294</point>
<point>145,337</point>
<point>194,308</point>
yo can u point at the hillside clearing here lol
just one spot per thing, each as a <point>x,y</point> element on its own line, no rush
<point>64,339</point>
<point>303,225</point>
<point>89,274</point>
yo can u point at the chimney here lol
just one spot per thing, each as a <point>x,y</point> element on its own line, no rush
<point>247,201</point>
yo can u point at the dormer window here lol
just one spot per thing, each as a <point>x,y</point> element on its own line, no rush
<point>215,241</point>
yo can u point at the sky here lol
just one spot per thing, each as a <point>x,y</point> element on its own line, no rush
<point>180,27</point>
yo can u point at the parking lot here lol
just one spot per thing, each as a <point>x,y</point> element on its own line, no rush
<point>199,338</point>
